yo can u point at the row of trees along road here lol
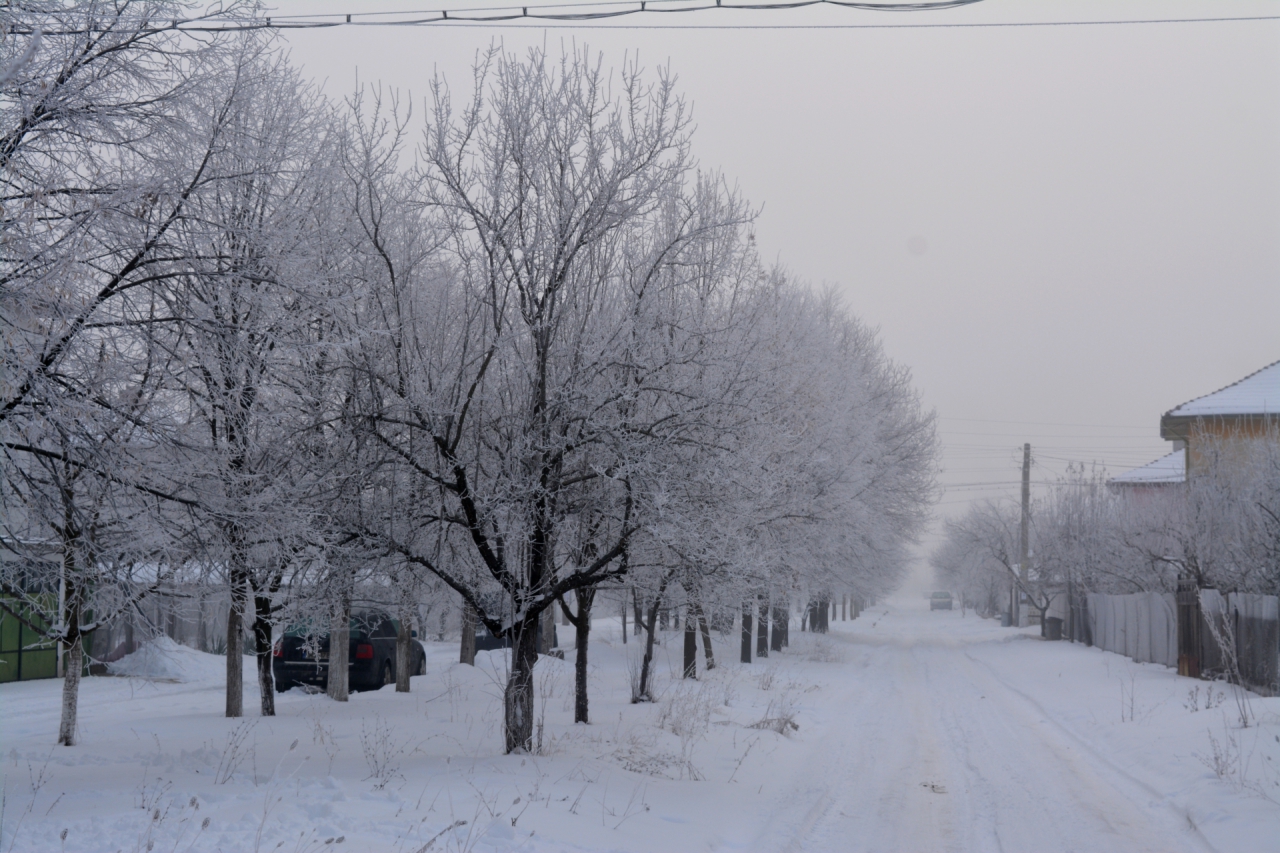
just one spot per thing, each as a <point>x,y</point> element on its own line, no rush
<point>1221,529</point>
<point>258,337</point>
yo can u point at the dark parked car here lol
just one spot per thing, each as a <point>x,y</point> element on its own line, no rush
<point>302,657</point>
<point>487,641</point>
<point>940,601</point>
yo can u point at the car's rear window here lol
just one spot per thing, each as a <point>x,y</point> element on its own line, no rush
<point>357,625</point>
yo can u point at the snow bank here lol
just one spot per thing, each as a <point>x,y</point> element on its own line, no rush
<point>162,658</point>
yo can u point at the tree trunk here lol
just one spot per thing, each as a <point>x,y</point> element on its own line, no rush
<point>338,685</point>
<point>690,644</point>
<point>72,664</point>
<point>202,633</point>
<point>1044,614</point>
<point>777,629</point>
<point>581,623</point>
<point>263,650</point>
<point>643,694</point>
<point>746,632</point>
<point>129,646</point>
<point>235,643</point>
<point>518,696</point>
<point>170,617</point>
<point>549,639</point>
<point>403,658</point>
<point>582,635</point>
<point>467,651</point>
<point>706,637</point>
<point>624,619</point>
<point>639,612</point>
<point>762,628</point>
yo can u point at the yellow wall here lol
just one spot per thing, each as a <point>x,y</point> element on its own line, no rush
<point>1229,439</point>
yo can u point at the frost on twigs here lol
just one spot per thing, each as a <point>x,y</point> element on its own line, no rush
<point>779,716</point>
<point>781,725</point>
<point>383,753</point>
<point>235,752</point>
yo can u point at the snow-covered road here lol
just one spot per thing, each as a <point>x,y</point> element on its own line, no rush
<point>930,748</point>
<point>918,731</point>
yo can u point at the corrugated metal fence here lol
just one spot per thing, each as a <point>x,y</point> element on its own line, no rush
<point>1237,636</point>
<point>1142,626</point>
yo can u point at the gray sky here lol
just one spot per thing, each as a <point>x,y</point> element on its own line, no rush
<point>1064,231</point>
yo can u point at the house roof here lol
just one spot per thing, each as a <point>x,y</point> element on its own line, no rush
<point>1256,394</point>
<point>1171,468</point>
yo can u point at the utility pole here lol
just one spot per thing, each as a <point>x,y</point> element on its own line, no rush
<point>1024,538</point>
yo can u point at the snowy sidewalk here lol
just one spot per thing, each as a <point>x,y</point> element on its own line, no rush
<point>917,731</point>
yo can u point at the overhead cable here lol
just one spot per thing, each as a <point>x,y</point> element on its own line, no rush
<point>576,15</point>
<point>590,16</point>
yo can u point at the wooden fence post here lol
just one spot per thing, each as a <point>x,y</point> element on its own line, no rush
<point>1188,598</point>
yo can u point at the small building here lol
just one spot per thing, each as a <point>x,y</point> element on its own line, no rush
<point>1231,417</point>
<point>1170,469</point>
<point>1213,428</point>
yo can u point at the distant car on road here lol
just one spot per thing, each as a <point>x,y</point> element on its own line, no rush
<point>940,601</point>
<point>371,655</point>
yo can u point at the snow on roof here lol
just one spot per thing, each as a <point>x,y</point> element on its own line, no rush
<point>1256,394</point>
<point>1167,469</point>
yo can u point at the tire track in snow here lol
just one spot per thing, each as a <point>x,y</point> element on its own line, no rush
<point>877,775</point>
<point>1004,775</point>
<point>1027,787</point>
<point>1071,748</point>
<point>813,789</point>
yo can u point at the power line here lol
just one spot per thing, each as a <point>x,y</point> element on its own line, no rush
<point>581,21</point>
<point>1041,423</point>
<point>1015,435</point>
<point>993,484</point>
<point>537,19</point>
<point>485,16</point>
<point>657,6</point>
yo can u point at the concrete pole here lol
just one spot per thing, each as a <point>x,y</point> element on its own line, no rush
<point>1024,530</point>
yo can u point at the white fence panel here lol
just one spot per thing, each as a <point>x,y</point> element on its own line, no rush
<point>1142,626</point>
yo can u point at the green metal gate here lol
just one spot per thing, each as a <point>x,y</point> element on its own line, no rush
<point>24,655</point>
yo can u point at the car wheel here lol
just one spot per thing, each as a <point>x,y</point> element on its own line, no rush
<point>386,675</point>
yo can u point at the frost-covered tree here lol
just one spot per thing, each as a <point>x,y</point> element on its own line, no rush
<point>1219,528</point>
<point>84,540</point>
<point>98,164</point>
<point>253,332</point>
<point>552,341</point>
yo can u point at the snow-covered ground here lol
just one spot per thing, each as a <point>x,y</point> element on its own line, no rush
<point>916,731</point>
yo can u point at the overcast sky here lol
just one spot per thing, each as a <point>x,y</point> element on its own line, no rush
<point>1064,231</point>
